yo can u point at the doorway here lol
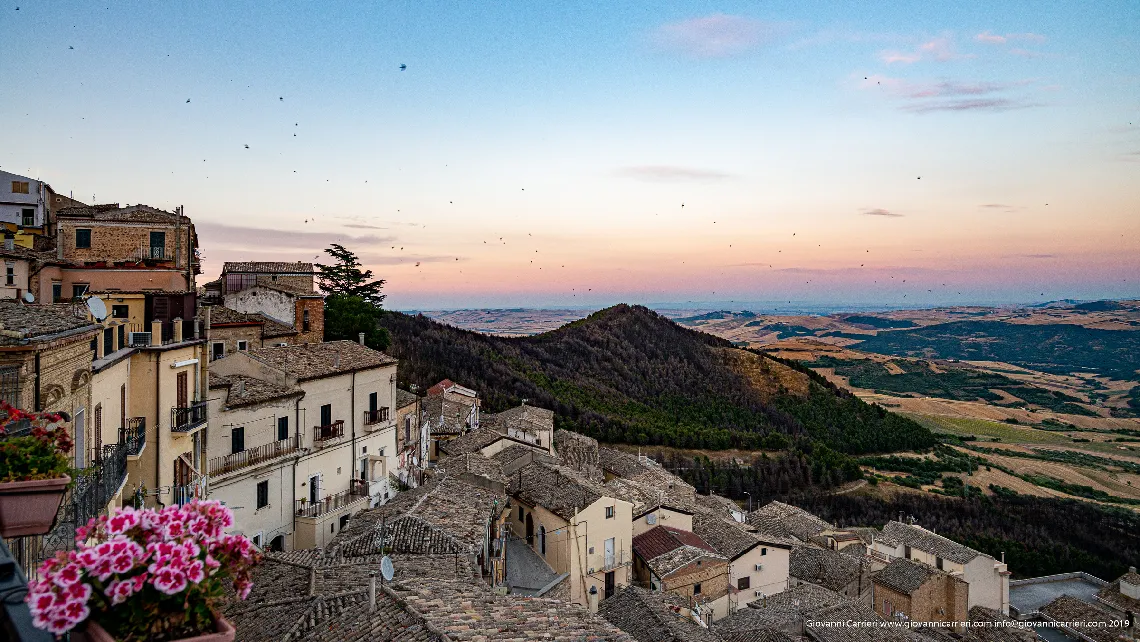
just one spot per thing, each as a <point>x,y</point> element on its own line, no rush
<point>529,530</point>
<point>609,585</point>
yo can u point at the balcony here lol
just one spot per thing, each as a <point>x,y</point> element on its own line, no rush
<point>182,495</point>
<point>329,434</point>
<point>331,503</point>
<point>253,456</point>
<point>133,436</point>
<point>151,253</point>
<point>375,419</point>
<point>189,418</point>
<point>615,560</point>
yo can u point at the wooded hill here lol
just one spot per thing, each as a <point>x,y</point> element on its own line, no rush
<point>628,375</point>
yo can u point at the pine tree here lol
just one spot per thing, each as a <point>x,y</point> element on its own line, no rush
<point>347,279</point>
<point>352,300</point>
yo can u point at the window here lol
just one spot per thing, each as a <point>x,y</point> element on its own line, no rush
<point>239,282</point>
<point>217,350</point>
<point>120,311</point>
<point>123,335</point>
<point>305,321</point>
<point>609,512</point>
<point>237,439</point>
<point>326,414</point>
<point>108,341</point>
<point>82,238</point>
<point>20,187</point>
<point>10,274</point>
<point>743,583</point>
<point>763,551</point>
<point>938,563</point>
<point>520,514</point>
<point>28,217</point>
<point>263,494</point>
<point>243,346</point>
<point>906,552</point>
<point>282,428</point>
<point>78,290</point>
<point>256,539</point>
<point>697,588</point>
<point>56,292</point>
<point>158,245</point>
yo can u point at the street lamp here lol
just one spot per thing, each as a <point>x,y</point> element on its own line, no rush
<point>749,500</point>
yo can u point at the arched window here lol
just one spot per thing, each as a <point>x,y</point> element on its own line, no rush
<point>542,540</point>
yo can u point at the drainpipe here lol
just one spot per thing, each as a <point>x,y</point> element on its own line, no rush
<point>157,430</point>
<point>36,394</point>
<point>296,460</point>
<point>352,418</point>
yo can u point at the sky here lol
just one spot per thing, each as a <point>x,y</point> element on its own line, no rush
<point>573,154</point>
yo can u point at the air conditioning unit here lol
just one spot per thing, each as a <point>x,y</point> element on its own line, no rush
<point>138,339</point>
<point>651,519</point>
<point>759,593</point>
<point>759,567</point>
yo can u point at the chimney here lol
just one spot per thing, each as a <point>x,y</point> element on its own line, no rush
<point>9,241</point>
<point>197,329</point>
<point>593,599</point>
<point>156,333</point>
<point>361,337</point>
<point>336,360</point>
<point>372,592</point>
<point>1131,569</point>
<point>240,388</point>
<point>177,330</point>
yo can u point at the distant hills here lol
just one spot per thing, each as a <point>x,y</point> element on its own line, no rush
<point>626,374</point>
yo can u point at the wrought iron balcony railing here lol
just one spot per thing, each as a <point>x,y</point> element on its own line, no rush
<point>152,253</point>
<point>253,456</point>
<point>189,418</point>
<point>330,503</point>
<point>324,434</point>
<point>373,417</point>
<point>133,435</point>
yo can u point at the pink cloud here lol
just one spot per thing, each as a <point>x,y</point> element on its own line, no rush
<point>941,49</point>
<point>998,39</point>
<point>715,36</point>
<point>891,57</point>
<point>991,38</point>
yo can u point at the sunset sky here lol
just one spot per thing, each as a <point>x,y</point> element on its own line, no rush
<point>580,154</point>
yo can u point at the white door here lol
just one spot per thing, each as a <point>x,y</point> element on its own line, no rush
<point>609,552</point>
<point>80,441</point>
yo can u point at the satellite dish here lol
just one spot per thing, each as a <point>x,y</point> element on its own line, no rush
<point>97,308</point>
<point>29,297</point>
<point>386,568</point>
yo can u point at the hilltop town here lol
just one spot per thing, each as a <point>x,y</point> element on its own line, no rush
<point>496,525</point>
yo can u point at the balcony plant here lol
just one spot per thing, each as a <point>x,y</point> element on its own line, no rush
<point>147,574</point>
<point>34,469</point>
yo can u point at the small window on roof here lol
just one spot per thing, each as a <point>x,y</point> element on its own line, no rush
<point>82,238</point>
<point>20,187</point>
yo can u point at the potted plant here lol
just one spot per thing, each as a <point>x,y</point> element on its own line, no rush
<point>147,574</point>
<point>33,470</point>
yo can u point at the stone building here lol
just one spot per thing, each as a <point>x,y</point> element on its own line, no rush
<point>919,593</point>
<point>674,561</point>
<point>846,574</point>
<point>107,248</point>
<point>988,578</point>
<point>758,564</point>
<point>340,427</point>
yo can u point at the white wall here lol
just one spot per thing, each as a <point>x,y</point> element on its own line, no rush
<point>12,205</point>
<point>771,580</point>
<point>274,304</point>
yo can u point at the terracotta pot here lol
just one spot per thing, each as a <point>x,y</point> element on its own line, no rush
<point>225,633</point>
<point>29,507</point>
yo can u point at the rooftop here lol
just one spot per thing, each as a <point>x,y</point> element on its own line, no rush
<point>402,534</point>
<point>266,267</point>
<point>1030,595</point>
<point>471,442</point>
<point>1112,596</point>
<point>558,489</point>
<point>784,520</point>
<point>653,617</point>
<point>528,418</point>
<point>468,611</point>
<point>405,398</point>
<point>446,417</point>
<point>247,391</point>
<point>21,323</point>
<point>825,567</point>
<point>748,625</point>
<point>127,214</point>
<point>662,539</point>
<point>917,537</point>
<point>1070,609</point>
<point>316,360</point>
<point>905,576</point>
<point>725,535</point>
<point>788,607</point>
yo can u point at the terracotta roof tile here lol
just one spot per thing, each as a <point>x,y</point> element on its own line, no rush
<point>266,267</point>
<point>653,617</point>
<point>924,540</point>
<point>316,360</point>
<point>20,322</point>
<point>558,489</point>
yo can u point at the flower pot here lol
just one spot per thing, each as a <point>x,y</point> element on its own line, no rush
<point>29,507</point>
<point>225,633</point>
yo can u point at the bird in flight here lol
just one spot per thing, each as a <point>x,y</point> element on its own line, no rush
<point>403,67</point>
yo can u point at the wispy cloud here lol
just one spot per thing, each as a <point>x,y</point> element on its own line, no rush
<point>670,173</point>
<point>1000,206</point>
<point>364,226</point>
<point>1038,256</point>
<point>998,39</point>
<point>989,104</point>
<point>878,211</point>
<point>226,235</point>
<point>941,49</point>
<point>949,95</point>
<point>715,36</point>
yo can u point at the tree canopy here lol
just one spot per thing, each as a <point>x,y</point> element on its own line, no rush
<point>345,277</point>
<point>352,300</point>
